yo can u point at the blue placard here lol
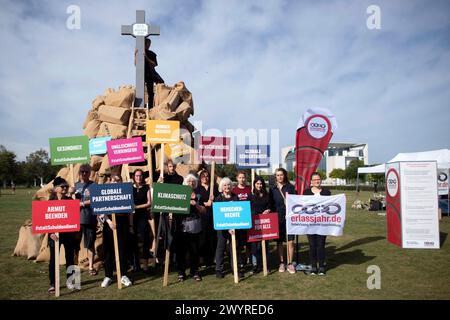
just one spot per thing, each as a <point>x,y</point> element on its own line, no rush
<point>112,198</point>
<point>232,215</point>
<point>98,145</point>
<point>252,156</point>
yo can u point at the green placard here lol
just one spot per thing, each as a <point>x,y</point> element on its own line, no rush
<point>171,198</point>
<point>68,150</point>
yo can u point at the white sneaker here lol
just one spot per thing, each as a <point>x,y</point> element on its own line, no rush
<point>106,282</point>
<point>125,281</point>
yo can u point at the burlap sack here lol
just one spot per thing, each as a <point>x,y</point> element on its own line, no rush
<point>21,249</point>
<point>63,173</point>
<point>172,100</point>
<point>104,166</point>
<point>92,115</point>
<point>115,131</point>
<point>33,244</point>
<point>107,92</point>
<point>184,93</point>
<point>98,102</point>
<point>96,162</point>
<point>184,111</point>
<point>113,114</point>
<point>185,169</point>
<point>44,252</point>
<point>92,128</point>
<point>161,92</point>
<point>122,98</point>
<point>43,194</point>
<point>162,112</point>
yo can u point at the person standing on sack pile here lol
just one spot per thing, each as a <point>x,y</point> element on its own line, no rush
<point>122,226</point>
<point>224,236</point>
<point>277,195</point>
<point>208,236</point>
<point>70,240</point>
<point>243,192</point>
<point>260,204</point>
<point>317,241</point>
<point>150,75</point>
<point>140,226</point>
<point>186,230</point>
<point>88,221</point>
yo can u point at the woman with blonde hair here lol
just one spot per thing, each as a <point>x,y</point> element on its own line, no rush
<point>186,231</point>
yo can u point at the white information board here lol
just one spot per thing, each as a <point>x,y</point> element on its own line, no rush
<point>419,204</point>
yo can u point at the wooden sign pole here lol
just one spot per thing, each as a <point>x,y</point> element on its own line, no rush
<point>161,168</point>
<point>253,178</point>
<point>57,265</point>
<point>235,264</point>
<point>167,260</point>
<point>211,181</point>
<point>116,252</point>
<point>264,257</point>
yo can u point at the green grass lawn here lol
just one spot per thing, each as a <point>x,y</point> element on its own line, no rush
<point>405,274</point>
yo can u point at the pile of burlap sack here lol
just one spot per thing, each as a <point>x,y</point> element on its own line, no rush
<point>110,115</point>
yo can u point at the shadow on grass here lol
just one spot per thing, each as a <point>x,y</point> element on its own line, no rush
<point>360,242</point>
<point>355,257</point>
<point>443,237</point>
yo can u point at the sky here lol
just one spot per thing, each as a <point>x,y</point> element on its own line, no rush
<point>248,64</point>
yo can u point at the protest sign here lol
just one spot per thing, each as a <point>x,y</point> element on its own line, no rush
<point>324,215</point>
<point>264,227</point>
<point>112,198</point>
<point>252,156</point>
<point>69,150</point>
<point>232,215</point>
<point>98,145</point>
<point>171,198</point>
<point>163,131</point>
<point>55,216</point>
<point>215,149</point>
<point>125,151</point>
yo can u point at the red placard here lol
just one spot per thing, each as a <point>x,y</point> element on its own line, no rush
<point>264,227</point>
<point>213,149</point>
<point>55,216</point>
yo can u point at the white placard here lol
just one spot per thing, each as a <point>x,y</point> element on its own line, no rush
<point>442,177</point>
<point>419,204</point>
<point>140,29</point>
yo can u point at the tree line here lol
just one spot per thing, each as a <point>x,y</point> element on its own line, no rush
<point>36,168</point>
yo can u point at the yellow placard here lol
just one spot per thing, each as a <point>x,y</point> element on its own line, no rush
<point>174,150</point>
<point>163,131</point>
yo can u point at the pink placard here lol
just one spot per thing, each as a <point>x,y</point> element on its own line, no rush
<point>123,151</point>
<point>213,149</point>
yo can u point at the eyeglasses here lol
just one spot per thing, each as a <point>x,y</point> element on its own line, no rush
<point>64,187</point>
<point>84,171</point>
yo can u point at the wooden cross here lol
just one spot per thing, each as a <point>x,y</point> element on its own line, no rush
<point>140,30</point>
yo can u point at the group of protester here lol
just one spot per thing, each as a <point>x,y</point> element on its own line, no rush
<point>192,237</point>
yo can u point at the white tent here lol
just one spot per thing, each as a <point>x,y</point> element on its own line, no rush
<point>442,157</point>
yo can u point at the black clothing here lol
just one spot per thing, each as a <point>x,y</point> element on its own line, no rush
<point>186,243</point>
<point>208,236</point>
<point>122,227</point>
<point>151,76</point>
<point>141,226</point>
<point>71,243</point>
<point>260,204</point>
<point>173,178</point>
<point>223,236</point>
<point>317,249</point>
<point>323,192</point>
<point>317,241</point>
<point>279,205</point>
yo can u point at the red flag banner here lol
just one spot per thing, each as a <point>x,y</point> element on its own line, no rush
<point>314,132</point>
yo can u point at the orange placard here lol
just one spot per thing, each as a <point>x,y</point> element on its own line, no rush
<point>163,131</point>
